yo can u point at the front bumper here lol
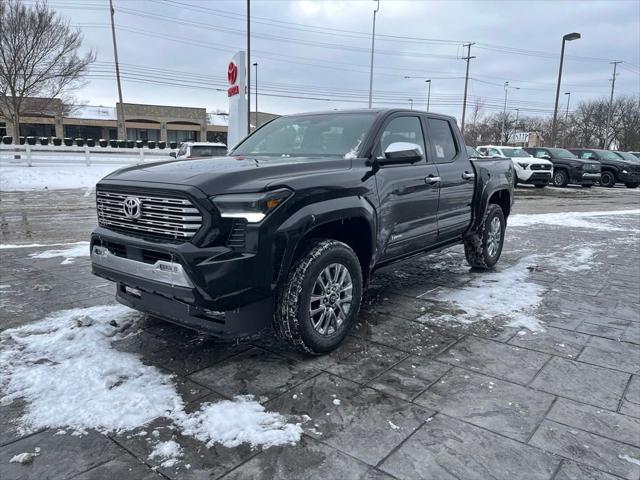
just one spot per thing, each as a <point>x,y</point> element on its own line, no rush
<point>213,289</point>
<point>538,177</point>
<point>629,177</point>
<point>583,178</point>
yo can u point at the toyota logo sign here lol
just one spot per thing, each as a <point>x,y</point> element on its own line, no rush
<point>132,207</point>
<point>232,73</point>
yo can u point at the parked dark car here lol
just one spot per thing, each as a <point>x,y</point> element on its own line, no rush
<point>567,167</point>
<point>288,228</point>
<point>614,169</point>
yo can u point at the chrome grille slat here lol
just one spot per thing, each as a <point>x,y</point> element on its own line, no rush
<point>167,217</point>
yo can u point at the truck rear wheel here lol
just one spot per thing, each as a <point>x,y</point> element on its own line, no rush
<point>319,302</point>
<point>484,246</point>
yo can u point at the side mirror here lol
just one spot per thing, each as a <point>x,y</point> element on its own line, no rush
<point>172,154</point>
<point>402,152</point>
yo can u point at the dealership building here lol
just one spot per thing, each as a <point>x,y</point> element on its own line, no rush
<point>51,118</point>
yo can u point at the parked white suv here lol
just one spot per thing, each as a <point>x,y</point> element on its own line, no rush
<point>199,149</point>
<point>529,169</point>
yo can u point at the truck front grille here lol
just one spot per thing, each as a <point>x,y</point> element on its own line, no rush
<point>540,166</point>
<point>148,215</point>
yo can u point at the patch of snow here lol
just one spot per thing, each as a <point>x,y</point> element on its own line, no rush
<point>53,177</point>
<point>590,220</point>
<point>242,420</point>
<point>33,245</point>
<point>169,452</point>
<point>23,458</point>
<point>4,286</point>
<point>69,356</point>
<point>629,459</point>
<point>80,249</point>
<point>393,425</point>
<point>504,293</point>
<point>336,401</point>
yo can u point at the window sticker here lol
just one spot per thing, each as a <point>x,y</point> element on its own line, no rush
<point>439,151</point>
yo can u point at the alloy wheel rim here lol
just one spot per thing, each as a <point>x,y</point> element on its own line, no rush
<point>493,236</point>
<point>331,299</point>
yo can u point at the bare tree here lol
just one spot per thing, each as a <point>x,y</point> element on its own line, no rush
<point>39,57</point>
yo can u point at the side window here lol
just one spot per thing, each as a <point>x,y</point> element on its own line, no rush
<point>541,154</point>
<point>444,146</point>
<point>401,129</point>
<point>494,153</point>
<point>587,155</point>
<point>182,151</point>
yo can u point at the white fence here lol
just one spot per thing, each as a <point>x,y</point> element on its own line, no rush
<point>32,155</point>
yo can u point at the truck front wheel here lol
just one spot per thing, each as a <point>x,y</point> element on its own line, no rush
<point>319,302</point>
<point>484,246</point>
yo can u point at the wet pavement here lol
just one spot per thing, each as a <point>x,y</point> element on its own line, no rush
<point>427,388</point>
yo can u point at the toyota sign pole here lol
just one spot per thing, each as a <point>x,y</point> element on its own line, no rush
<point>238,104</point>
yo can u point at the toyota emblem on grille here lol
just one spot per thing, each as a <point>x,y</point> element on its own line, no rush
<point>131,207</point>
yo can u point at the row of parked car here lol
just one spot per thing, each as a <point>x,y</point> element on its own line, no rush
<point>540,166</point>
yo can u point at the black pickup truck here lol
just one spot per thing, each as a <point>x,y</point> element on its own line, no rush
<point>615,168</point>
<point>287,229</point>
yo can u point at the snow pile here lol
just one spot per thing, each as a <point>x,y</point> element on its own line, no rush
<point>68,357</point>
<point>24,458</point>
<point>243,420</point>
<point>79,249</point>
<point>52,177</point>
<point>169,452</point>
<point>575,260</point>
<point>504,293</point>
<point>590,220</point>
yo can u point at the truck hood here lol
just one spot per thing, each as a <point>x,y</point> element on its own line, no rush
<point>229,174</point>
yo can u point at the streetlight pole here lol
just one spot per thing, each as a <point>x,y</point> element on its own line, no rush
<point>256,122</point>
<point>566,114</point>
<point>411,103</point>
<point>428,93</point>
<point>248,68</point>
<point>122,124</point>
<point>373,40</point>
<point>566,38</point>
<point>504,109</point>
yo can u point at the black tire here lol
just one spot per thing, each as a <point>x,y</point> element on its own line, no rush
<point>540,185</point>
<point>292,317</point>
<point>608,179</point>
<point>560,178</point>
<point>476,245</point>
<point>632,185</point>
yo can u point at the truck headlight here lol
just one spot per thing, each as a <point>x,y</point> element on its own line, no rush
<point>523,165</point>
<point>624,171</point>
<point>253,207</point>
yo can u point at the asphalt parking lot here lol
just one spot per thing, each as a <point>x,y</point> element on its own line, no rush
<point>529,372</point>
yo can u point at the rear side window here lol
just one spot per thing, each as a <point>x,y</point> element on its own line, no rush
<point>444,146</point>
<point>541,154</point>
<point>587,155</point>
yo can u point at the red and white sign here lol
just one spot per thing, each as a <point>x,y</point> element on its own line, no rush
<point>232,73</point>
<point>236,75</point>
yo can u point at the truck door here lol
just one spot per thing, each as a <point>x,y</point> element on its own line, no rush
<point>408,193</point>
<point>457,179</point>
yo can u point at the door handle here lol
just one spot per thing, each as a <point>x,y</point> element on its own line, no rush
<point>430,180</point>
<point>468,176</point>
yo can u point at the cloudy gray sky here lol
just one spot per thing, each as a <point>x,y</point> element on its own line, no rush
<point>314,55</point>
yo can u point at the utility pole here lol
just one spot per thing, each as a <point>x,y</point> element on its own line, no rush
<point>613,87</point>
<point>256,88</point>
<point>373,41</point>
<point>504,109</point>
<point>411,103</point>
<point>248,92</point>
<point>122,125</point>
<point>466,83</point>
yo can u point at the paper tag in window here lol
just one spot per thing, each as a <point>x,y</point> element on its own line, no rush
<point>439,151</point>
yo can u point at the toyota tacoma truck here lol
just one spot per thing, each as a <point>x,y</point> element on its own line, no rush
<point>614,168</point>
<point>529,170</point>
<point>287,229</point>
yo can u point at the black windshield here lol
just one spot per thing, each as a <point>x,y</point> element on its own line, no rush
<point>338,134</point>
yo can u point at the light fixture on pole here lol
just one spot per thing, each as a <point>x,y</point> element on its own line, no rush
<point>428,93</point>
<point>567,38</point>
<point>373,40</point>
<point>566,115</point>
<point>256,81</point>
